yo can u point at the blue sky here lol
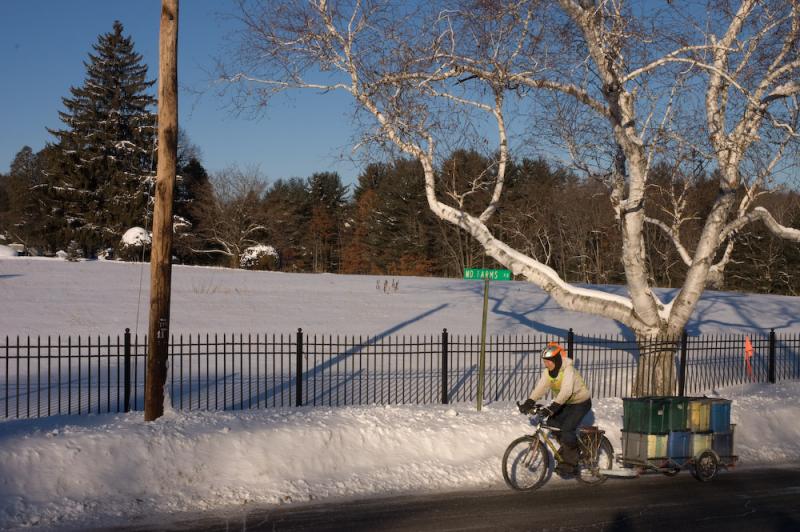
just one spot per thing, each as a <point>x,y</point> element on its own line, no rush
<point>43,44</point>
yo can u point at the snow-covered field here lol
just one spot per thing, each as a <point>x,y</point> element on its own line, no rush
<point>95,470</point>
<point>52,297</point>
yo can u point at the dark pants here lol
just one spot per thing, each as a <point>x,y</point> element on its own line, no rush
<point>567,419</point>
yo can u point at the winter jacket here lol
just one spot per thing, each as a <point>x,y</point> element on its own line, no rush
<point>567,387</point>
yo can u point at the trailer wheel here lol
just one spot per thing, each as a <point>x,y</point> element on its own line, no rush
<point>705,466</point>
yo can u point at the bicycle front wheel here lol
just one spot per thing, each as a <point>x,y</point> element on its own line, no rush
<point>525,463</point>
<point>593,462</point>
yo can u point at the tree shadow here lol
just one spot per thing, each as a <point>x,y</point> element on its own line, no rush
<point>335,359</point>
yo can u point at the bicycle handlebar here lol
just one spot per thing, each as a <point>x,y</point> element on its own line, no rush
<point>535,411</point>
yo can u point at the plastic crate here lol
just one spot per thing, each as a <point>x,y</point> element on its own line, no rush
<point>722,443</point>
<point>679,446</point>
<point>655,414</point>
<point>720,419</point>
<point>645,415</point>
<point>699,415</point>
<point>678,411</point>
<point>701,441</point>
<point>638,447</point>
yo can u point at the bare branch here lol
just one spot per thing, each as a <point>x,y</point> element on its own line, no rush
<point>675,239</point>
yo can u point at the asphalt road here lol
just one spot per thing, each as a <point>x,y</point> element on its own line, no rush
<point>760,499</point>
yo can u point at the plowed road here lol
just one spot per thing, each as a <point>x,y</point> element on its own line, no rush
<point>749,498</point>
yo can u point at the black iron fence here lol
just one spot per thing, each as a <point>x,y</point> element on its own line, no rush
<point>57,376</point>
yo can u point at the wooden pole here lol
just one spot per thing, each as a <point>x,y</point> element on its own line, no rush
<point>161,253</point>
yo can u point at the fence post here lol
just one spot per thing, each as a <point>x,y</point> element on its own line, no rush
<point>444,366</point>
<point>772,356</point>
<point>127,396</point>
<point>570,343</point>
<point>682,373</point>
<point>299,386</point>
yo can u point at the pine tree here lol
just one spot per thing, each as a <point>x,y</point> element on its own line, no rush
<point>24,174</point>
<point>327,200</point>
<point>193,194</point>
<point>287,213</point>
<point>25,219</point>
<point>357,257</point>
<point>103,174</point>
<point>396,229</point>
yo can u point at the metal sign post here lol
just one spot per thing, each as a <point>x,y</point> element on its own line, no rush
<point>486,275</point>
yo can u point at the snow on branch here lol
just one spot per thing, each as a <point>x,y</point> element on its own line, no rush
<point>763,215</point>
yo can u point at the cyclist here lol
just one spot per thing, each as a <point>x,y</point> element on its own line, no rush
<point>572,401</point>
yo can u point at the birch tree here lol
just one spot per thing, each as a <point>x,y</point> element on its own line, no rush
<point>614,86</point>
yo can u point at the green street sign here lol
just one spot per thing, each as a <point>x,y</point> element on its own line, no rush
<point>483,273</point>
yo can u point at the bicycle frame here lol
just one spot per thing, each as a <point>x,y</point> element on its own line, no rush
<point>588,442</point>
<point>545,435</point>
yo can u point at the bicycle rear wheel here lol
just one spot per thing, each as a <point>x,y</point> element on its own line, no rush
<point>525,463</point>
<point>590,468</point>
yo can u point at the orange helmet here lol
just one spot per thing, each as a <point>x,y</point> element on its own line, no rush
<point>552,350</point>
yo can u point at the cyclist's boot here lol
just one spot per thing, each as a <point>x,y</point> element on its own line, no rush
<point>569,462</point>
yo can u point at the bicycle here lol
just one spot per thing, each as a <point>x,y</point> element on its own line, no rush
<point>526,462</point>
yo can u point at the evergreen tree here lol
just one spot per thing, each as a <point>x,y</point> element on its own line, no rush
<point>104,170</point>
<point>393,225</point>
<point>286,214</point>
<point>327,200</point>
<point>22,176</point>
<point>23,219</point>
<point>193,194</point>
<point>357,256</point>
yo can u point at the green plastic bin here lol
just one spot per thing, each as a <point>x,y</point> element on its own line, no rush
<point>654,415</point>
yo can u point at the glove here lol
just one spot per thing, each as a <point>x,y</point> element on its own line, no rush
<point>527,407</point>
<point>551,410</point>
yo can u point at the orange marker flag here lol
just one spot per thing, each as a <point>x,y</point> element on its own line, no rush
<point>748,354</point>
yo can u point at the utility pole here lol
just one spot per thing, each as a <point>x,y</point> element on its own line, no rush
<point>161,252</point>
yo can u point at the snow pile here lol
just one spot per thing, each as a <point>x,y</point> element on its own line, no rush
<point>255,255</point>
<point>6,251</point>
<point>109,468</point>
<point>135,236</point>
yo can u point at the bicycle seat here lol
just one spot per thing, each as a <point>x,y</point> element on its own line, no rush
<point>591,430</point>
